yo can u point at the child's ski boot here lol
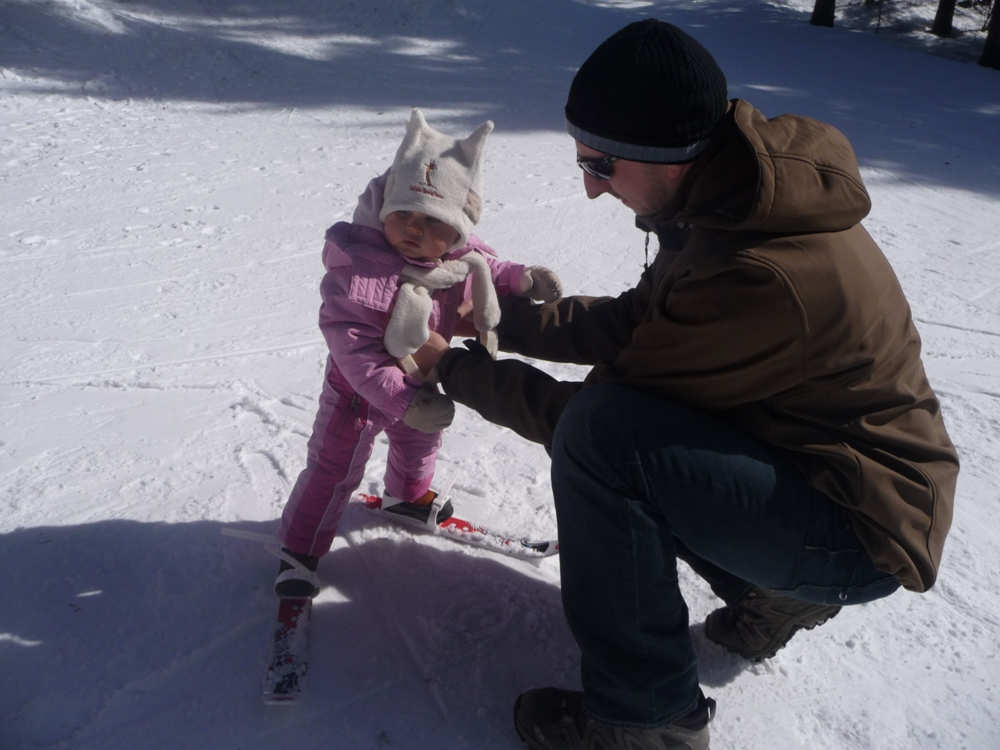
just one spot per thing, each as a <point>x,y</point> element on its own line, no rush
<point>299,580</point>
<point>428,509</point>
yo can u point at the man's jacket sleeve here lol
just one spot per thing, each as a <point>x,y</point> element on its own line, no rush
<point>513,394</point>
<point>711,350</point>
<point>581,330</point>
<point>507,392</point>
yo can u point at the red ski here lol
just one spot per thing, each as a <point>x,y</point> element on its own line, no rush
<point>289,660</point>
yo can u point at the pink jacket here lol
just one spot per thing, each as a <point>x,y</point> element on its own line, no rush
<point>359,288</point>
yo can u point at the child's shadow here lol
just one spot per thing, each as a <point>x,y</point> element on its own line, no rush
<point>449,634</point>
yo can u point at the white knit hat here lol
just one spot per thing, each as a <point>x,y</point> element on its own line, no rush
<point>438,175</point>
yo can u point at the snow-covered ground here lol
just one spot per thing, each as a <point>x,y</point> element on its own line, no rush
<point>167,171</point>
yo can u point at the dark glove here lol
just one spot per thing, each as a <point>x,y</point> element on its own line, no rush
<point>475,347</point>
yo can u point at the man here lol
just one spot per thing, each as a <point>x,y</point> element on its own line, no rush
<point>757,404</point>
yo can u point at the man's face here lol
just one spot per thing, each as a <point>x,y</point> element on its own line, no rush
<point>644,188</point>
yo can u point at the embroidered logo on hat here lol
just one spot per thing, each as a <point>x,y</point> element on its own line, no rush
<point>427,187</point>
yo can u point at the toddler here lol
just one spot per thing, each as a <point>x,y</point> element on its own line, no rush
<point>398,271</point>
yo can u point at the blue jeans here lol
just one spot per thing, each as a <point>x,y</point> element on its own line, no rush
<point>639,480</point>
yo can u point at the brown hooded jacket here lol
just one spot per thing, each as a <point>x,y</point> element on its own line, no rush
<point>770,306</point>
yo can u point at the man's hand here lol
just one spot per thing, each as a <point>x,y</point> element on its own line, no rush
<point>430,411</point>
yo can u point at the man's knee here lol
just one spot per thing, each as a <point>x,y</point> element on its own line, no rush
<point>613,415</point>
<point>596,436</point>
<point>592,413</point>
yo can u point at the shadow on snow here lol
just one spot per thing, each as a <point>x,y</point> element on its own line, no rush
<point>509,61</point>
<point>124,634</point>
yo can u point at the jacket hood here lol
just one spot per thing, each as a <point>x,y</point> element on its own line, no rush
<point>786,175</point>
<point>370,203</point>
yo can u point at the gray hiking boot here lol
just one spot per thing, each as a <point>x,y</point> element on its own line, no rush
<point>761,622</point>
<point>554,719</point>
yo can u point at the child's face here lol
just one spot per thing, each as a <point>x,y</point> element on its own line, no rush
<point>419,236</point>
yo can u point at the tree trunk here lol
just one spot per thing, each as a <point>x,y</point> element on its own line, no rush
<point>823,13</point>
<point>991,52</point>
<point>943,18</point>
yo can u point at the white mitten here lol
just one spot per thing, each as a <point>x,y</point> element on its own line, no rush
<point>485,307</point>
<point>408,328</point>
<point>540,283</point>
<point>430,411</point>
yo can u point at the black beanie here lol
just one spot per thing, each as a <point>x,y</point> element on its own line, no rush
<point>648,93</point>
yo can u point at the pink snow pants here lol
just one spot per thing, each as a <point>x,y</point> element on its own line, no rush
<point>342,441</point>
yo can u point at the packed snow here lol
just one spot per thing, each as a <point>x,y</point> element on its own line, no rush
<point>167,172</point>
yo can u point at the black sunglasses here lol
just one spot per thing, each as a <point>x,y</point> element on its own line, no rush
<point>599,167</point>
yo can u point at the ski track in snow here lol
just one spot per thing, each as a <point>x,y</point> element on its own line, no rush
<point>167,172</point>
